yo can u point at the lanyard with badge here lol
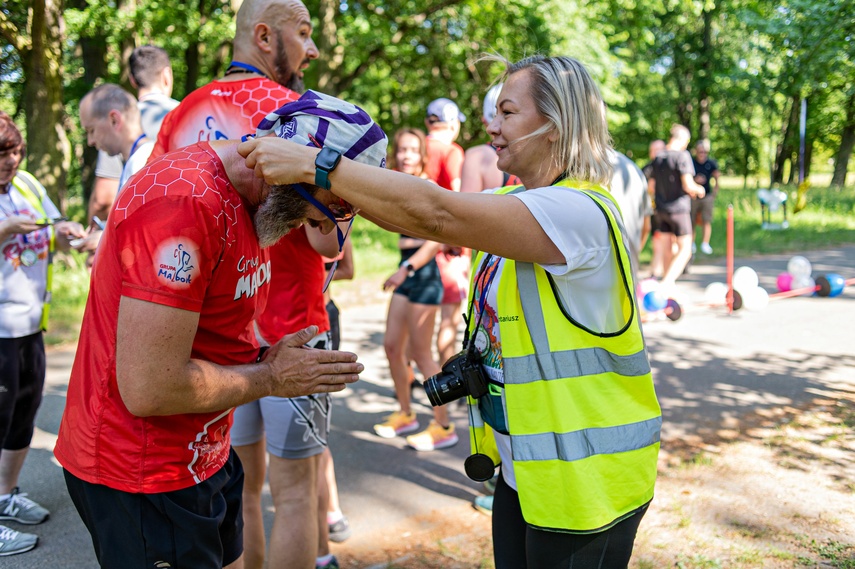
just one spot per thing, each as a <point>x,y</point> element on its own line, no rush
<point>28,256</point>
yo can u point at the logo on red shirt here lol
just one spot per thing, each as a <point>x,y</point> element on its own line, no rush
<point>176,262</point>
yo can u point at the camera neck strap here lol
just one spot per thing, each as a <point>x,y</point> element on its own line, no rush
<point>483,279</point>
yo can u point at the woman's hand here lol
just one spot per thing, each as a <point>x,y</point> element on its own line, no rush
<point>19,225</point>
<point>279,161</point>
<point>396,280</point>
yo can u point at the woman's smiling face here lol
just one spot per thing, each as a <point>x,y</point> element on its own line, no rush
<point>517,116</point>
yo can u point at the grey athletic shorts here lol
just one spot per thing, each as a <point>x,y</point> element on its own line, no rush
<point>295,428</point>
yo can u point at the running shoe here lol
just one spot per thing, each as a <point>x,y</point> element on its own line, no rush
<point>340,530</point>
<point>331,564</point>
<point>484,504</point>
<point>397,424</point>
<point>434,437</point>
<point>706,249</point>
<point>13,542</point>
<point>18,508</point>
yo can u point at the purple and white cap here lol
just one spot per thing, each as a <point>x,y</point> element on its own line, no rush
<point>319,120</point>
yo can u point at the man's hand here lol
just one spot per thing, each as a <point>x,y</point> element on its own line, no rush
<point>304,371</point>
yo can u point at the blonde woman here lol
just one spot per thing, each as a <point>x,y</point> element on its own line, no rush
<point>560,387</point>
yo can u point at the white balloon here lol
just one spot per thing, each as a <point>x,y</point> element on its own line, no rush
<point>806,283</point>
<point>798,266</point>
<point>716,293</point>
<point>763,195</point>
<point>780,195</point>
<point>745,280</point>
<point>757,299</point>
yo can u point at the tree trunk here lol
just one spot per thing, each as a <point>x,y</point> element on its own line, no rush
<point>847,143</point>
<point>48,149</point>
<point>785,148</point>
<point>705,77</point>
<point>328,45</point>
<point>191,60</point>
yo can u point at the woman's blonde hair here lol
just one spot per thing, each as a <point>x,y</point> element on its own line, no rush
<point>569,99</point>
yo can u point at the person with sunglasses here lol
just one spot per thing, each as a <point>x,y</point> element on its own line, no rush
<point>555,367</point>
<point>182,272</point>
<point>411,319</point>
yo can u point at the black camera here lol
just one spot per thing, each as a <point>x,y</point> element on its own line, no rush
<point>461,375</point>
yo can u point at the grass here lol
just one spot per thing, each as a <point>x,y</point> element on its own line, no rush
<point>827,221</point>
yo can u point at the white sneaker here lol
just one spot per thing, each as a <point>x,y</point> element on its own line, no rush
<point>18,508</point>
<point>13,542</point>
<point>694,248</point>
<point>706,249</point>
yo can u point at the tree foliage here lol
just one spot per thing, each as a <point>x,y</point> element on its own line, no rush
<point>734,72</point>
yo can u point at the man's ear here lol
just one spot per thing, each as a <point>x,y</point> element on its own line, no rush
<point>263,37</point>
<point>167,78</point>
<point>115,117</point>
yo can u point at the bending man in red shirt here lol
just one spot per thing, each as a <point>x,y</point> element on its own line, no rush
<point>167,350</point>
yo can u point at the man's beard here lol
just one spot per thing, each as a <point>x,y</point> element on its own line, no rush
<point>282,211</point>
<point>285,74</point>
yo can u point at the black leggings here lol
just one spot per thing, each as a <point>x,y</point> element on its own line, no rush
<point>516,545</point>
<point>22,378</point>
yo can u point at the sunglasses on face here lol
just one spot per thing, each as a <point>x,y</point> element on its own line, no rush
<point>342,210</point>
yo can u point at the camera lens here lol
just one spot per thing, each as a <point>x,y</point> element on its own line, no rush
<point>444,388</point>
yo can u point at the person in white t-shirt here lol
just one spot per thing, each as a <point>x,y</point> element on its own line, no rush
<point>150,73</point>
<point>111,119</point>
<point>30,230</point>
<point>561,392</point>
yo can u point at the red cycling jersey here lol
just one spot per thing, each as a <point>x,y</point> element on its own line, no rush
<point>180,236</point>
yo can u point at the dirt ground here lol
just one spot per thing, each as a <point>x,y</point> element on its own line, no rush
<point>772,491</point>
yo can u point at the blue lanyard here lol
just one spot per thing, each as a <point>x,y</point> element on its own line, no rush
<point>247,67</point>
<point>134,147</point>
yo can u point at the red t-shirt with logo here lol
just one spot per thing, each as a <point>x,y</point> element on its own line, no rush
<point>228,110</point>
<point>179,236</point>
<point>445,162</point>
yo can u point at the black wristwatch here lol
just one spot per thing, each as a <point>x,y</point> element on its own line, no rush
<point>411,270</point>
<point>325,163</point>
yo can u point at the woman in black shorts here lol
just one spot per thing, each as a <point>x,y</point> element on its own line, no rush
<point>411,320</point>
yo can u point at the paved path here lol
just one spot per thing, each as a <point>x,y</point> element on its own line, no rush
<point>710,369</point>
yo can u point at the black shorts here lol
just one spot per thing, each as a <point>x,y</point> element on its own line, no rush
<point>199,527</point>
<point>678,223</point>
<point>22,380</point>
<point>424,287</point>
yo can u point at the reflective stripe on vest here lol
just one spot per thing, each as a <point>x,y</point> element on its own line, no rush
<point>581,408</point>
<point>27,186</point>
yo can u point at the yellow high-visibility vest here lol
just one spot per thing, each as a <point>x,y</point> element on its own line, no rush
<point>28,187</point>
<point>580,406</point>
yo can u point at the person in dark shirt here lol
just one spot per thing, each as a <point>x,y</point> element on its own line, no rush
<point>673,187</point>
<point>706,174</point>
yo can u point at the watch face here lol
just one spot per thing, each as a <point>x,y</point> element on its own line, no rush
<point>327,159</point>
